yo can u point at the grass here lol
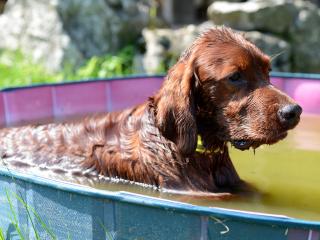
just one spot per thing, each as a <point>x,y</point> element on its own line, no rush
<point>2,235</point>
<point>34,219</point>
<point>32,216</point>
<point>17,69</point>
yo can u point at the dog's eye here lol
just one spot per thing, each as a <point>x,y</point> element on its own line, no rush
<point>236,77</point>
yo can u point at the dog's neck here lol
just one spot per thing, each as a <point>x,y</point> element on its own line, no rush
<point>208,128</point>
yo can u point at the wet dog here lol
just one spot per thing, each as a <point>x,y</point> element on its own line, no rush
<point>219,90</point>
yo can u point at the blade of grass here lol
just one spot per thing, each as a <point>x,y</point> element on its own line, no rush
<point>38,218</point>
<point>107,232</point>
<point>14,220</point>
<point>68,238</point>
<point>109,235</point>
<point>1,235</point>
<point>32,223</point>
<point>44,226</point>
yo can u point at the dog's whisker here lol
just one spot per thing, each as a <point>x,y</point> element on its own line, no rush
<point>274,56</point>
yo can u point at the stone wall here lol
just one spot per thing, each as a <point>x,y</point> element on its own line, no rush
<point>295,22</point>
<point>289,30</point>
<point>65,32</point>
<point>165,45</point>
<point>60,32</point>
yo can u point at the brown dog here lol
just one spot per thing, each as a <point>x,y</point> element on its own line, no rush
<point>218,90</point>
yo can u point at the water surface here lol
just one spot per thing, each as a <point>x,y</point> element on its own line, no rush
<point>286,175</point>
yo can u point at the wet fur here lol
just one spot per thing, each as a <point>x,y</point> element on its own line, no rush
<point>155,143</point>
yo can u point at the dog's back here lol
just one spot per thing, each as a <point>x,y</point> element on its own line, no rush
<point>63,146</point>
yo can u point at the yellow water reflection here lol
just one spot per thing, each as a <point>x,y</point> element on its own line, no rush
<point>286,174</point>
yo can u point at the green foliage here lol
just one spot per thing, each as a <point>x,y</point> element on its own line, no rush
<point>108,65</point>
<point>34,218</point>
<point>2,235</point>
<point>153,14</point>
<point>13,217</point>
<point>17,69</point>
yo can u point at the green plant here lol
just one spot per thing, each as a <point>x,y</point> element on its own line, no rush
<point>153,12</point>
<point>32,215</point>
<point>13,217</point>
<point>108,66</point>
<point>17,69</point>
<point>1,235</point>
<point>33,218</point>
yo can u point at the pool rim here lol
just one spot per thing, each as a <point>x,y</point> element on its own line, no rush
<point>141,200</point>
<point>137,199</point>
<point>284,75</point>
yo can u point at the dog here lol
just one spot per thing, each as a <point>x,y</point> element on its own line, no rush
<point>219,91</point>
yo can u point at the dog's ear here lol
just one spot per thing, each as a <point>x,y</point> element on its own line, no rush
<point>175,113</point>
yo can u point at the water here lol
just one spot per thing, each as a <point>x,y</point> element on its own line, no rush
<point>286,175</point>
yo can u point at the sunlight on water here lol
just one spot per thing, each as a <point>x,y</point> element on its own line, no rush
<point>286,174</point>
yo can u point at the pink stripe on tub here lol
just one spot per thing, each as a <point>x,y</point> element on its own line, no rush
<point>79,99</point>
<point>25,105</point>
<point>302,234</point>
<point>277,82</point>
<point>2,112</point>
<point>305,92</point>
<point>127,93</point>
<point>297,234</point>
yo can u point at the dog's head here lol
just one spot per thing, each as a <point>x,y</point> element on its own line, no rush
<point>220,88</point>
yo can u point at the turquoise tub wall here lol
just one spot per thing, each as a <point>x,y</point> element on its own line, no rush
<point>83,213</point>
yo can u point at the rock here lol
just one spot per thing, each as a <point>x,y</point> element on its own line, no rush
<point>296,21</point>
<point>176,12</point>
<point>305,35</point>
<point>59,33</point>
<point>315,2</point>
<point>164,46</point>
<point>274,16</point>
<point>278,49</point>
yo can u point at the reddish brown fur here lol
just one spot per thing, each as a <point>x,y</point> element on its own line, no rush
<point>155,143</point>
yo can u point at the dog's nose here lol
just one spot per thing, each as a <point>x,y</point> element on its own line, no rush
<point>289,115</point>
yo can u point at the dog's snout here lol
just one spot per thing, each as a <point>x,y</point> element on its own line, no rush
<point>289,115</point>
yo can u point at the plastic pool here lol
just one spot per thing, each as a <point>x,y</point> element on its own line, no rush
<point>81,212</point>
